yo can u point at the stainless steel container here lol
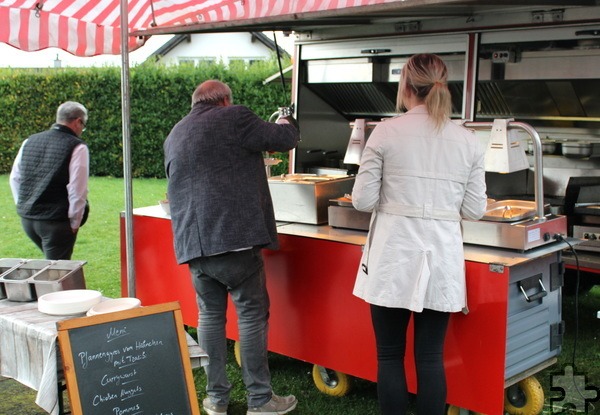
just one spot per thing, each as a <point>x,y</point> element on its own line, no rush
<point>548,147</point>
<point>17,281</point>
<point>513,224</point>
<point>577,150</point>
<point>348,218</point>
<point>6,265</point>
<point>304,198</point>
<point>510,210</point>
<point>343,215</point>
<point>60,276</point>
<point>522,234</point>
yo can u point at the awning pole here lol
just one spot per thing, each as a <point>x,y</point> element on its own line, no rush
<point>125,105</point>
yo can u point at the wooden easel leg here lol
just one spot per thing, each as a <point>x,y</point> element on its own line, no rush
<point>62,387</point>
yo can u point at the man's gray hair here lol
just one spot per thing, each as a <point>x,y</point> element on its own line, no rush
<point>211,92</point>
<point>69,111</point>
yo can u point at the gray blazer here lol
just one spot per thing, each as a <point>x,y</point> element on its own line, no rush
<point>217,183</point>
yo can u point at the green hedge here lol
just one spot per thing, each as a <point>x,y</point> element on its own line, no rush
<point>160,97</point>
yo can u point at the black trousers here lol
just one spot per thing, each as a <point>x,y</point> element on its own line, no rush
<point>390,326</point>
<point>55,238</point>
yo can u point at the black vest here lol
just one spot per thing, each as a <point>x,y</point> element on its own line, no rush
<point>45,174</point>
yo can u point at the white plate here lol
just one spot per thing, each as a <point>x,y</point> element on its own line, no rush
<point>114,305</point>
<point>67,302</point>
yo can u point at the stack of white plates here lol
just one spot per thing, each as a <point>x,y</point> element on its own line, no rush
<point>114,305</point>
<point>61,303</point>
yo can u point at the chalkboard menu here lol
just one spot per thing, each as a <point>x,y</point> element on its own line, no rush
<point>133,362</point>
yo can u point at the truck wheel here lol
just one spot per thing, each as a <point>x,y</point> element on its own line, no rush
<point>524,398</point>
<point>237,353</point>
<point>455,410</point>
<point>330,382</point>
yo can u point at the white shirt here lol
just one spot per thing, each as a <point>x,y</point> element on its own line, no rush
<point>77,188</point>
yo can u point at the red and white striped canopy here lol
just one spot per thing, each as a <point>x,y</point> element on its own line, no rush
<point>92,27</point>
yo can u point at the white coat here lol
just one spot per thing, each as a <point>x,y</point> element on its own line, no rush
<point>419,183</point>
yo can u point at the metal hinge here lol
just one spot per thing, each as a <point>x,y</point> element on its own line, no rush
<point>556,15</point>
<point>557,331</point>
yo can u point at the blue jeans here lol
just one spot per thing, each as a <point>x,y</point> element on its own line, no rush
<point>240,274</point>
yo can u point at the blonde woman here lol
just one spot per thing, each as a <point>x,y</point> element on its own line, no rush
<point>420,174</point>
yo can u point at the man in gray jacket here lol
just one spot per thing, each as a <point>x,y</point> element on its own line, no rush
<point>222,216</point>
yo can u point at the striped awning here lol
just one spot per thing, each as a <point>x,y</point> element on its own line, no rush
<point>83,27</point>
<point>92,27</point>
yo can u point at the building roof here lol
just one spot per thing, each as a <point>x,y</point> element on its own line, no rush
<point>178,39</point>
<point>170,45</point>
<point>266,40</point>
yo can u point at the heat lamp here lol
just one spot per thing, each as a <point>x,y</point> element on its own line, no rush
<point>504,152</point>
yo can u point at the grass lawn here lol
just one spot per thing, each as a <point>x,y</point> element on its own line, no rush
<point>98,243</point>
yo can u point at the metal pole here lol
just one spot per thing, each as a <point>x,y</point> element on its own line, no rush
<point>471,59</point>
<point>125,110</point>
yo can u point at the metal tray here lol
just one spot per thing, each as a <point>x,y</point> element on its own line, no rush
<point>17,282</point>
<point>510,210</point>
<point>341,201</point>
<point>61,276</point>
<point>306,178</point>
<point>306,201</point>
<point>7,265</point>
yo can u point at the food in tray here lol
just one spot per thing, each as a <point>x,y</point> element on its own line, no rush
<point>509,210</point>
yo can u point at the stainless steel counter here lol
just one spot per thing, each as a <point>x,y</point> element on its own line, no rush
<point>585,259</point>
<point>475,253</point>
<point>326,232</point>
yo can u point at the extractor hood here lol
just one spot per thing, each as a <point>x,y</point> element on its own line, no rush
<point>556,87</point>
<point>549,85</point>
<point>367,87</point>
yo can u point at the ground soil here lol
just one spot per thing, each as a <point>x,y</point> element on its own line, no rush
<point>17,399</point>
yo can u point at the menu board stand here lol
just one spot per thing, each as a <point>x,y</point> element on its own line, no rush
<point>128,362</point>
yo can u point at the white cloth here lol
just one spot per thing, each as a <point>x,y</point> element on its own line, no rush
<point>419,183</point>
<point>78,181</point>
<point>28,351</point>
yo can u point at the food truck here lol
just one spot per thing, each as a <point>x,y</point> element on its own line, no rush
<point>523,75</point>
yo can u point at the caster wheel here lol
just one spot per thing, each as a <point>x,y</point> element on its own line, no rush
<point>330,382</point>
<point>524,398</point>
<point>237,353</point>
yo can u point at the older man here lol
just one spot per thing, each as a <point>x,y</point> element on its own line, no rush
<point>49,182</point>
<point>222,216</point>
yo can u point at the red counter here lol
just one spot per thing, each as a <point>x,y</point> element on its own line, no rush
<point>315,317</point>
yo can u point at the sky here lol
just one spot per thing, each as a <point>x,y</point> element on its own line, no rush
<point>11,57</point>
<point>15,58</point>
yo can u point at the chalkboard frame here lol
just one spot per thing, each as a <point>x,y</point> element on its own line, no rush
<point>68,358</point>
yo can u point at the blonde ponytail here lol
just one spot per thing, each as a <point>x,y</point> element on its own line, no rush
<point>426,75</point>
